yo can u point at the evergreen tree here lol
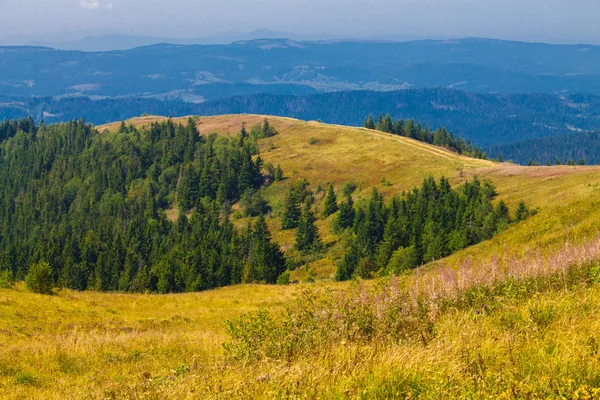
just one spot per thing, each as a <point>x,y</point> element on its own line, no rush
<point>345,218</point>
<point>330,204</point>
<point>521,212</point>
<point>307,238</point>
<point>369,123</point>
<point>387,124</point>
<point>278,174</point>
<point>347,265</point>
<point>266,260</point>
<point>296,195</point>
<point>291,210</point>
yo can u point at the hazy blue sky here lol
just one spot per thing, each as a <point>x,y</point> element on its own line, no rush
<point>563,21</point>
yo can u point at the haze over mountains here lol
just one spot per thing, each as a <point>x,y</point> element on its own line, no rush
<point>467,85</point>
<point>199,72</point>
<point>91,41</point>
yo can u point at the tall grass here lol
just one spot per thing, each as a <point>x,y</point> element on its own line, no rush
<point>394,310</point>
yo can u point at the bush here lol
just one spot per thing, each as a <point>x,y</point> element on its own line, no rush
<point>6,280</point>
<point>386,182</point>
<point>284,278</point>
<point>254,204</point>
<point>40,279</point>
<point>314,140</point>
<point>348,188</point>
<point>403,259</point>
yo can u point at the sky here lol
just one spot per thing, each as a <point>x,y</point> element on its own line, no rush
<point>553,21</point>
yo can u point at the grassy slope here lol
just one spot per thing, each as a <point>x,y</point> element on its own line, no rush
<point>121,345</point>
<point>568,196</point>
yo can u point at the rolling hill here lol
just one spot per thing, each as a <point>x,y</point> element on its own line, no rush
<point>565,195</point>
<point>513,124</point>
<point>515,317</point>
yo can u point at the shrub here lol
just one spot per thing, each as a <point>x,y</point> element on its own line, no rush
<point>385,182</point>
<point>278,174</point>
<point>254,204</point>
<point>348,188</point>
<point>6,280</point>
<point>284,278</point>
<point>313,140</point>
<point>403,259</point>
<point>25,378</point>
<point>40,279</point>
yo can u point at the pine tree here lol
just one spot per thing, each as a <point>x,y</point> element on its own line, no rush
<point>522,212</point>
<point>307,237</point>
<point>330,204</point>
<point>347,265</point>
<point>369,123</point>
<point>291,211</point>
<point>345,218</point>
<point>188,188</point>
<point>387,125</point>
<point>265,260</point>
<point>278,174</point>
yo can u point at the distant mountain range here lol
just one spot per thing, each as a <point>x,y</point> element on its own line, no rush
<point>337,81</point>
<point>109,41</point>
<point>202,73</point>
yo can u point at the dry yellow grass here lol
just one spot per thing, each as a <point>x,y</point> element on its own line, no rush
<point>79,343</point>
<point>94,345</point>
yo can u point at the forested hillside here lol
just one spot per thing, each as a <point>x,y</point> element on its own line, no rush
<point>149,208</point>
<point>93,206</point>
<point>485,119</point>
<point>574,147</point>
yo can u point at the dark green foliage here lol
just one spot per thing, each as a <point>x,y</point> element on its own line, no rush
<point>349,187</point>
<point>40,278</point>
<point>291,211</point>
<point>330,204</point>
<point>404,258</point>
<point>94,206</point>
<point>253,203</point>
<point>6,279</point>
<point>440,137</point>
<point>564,149</point>
<point>262,131</point>
<point>9,128</point>
<point>523,212</point>
<point>278,174</point>
<point>307,237</point>
<point>284,278</point>
<point>297,194</point>
<point>345,218</point>
<point>266,261</point>
<point>424,225</point>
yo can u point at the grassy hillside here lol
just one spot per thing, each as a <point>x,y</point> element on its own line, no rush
<point>567,196</point>
<point>533,337</point>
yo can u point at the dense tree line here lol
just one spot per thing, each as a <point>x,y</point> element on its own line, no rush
<point>93,206</point>
<point>9,128</point>
<point>487,119</point>
<point>423,225</point>
<point>439,137</point>
<point>574,148</point>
